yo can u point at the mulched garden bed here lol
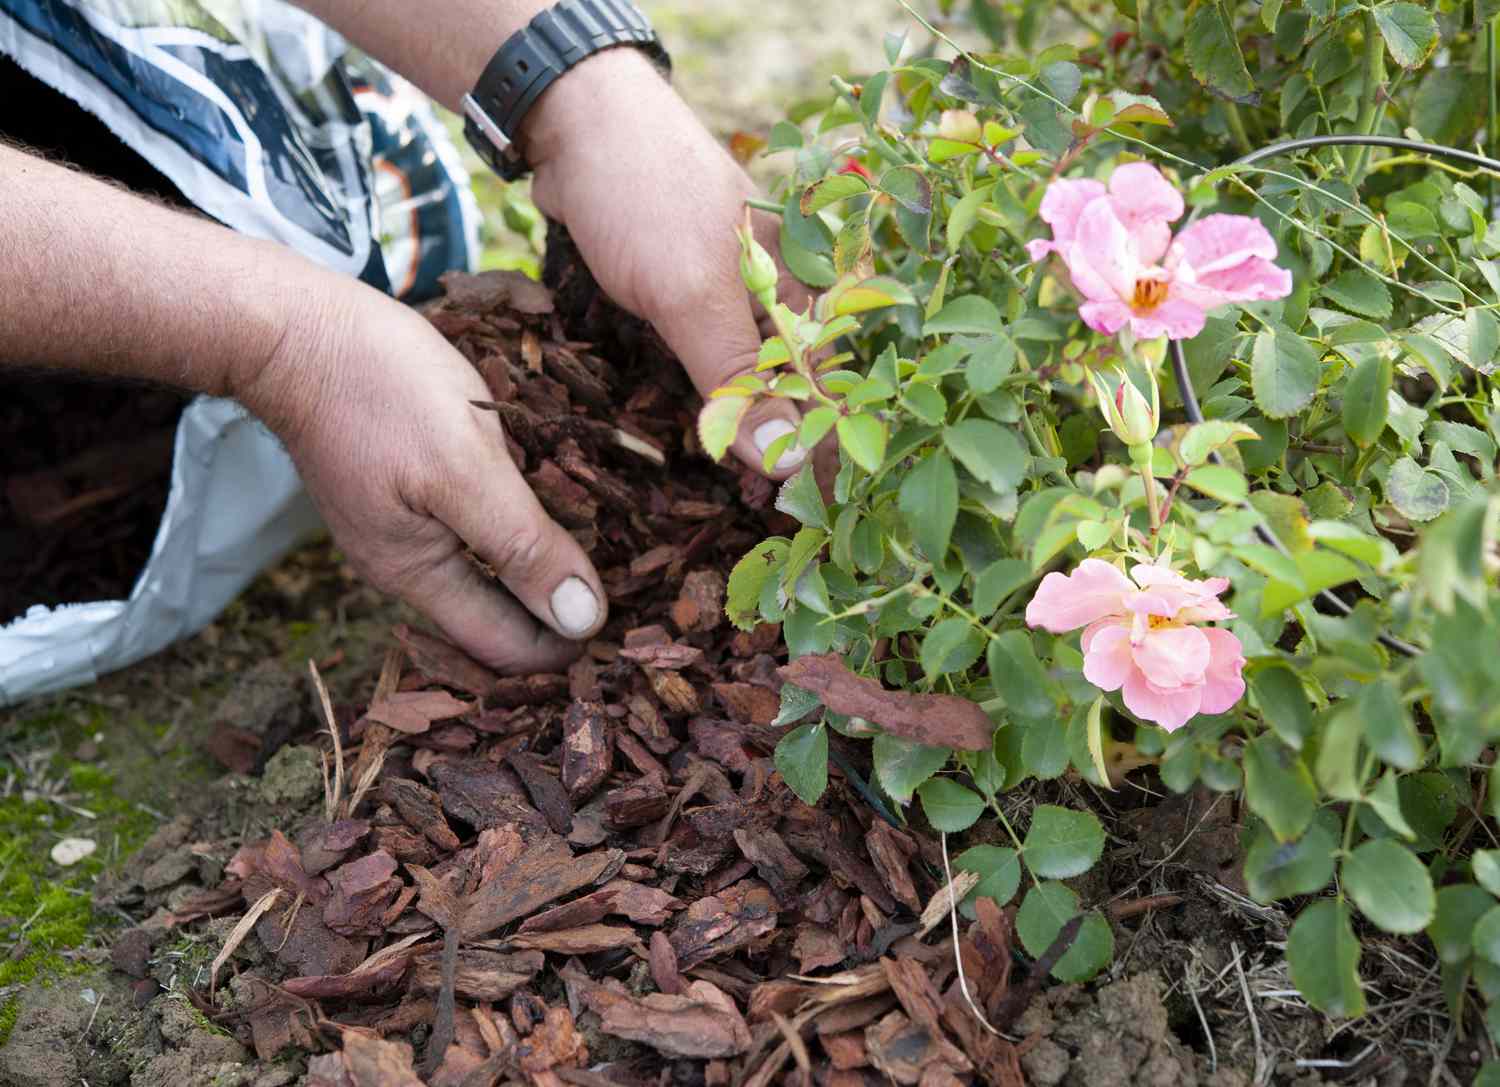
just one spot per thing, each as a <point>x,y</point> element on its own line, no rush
<point>598,877</point>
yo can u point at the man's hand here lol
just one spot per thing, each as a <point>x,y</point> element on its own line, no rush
<point>652,201</point>
<point>374,407</point>
<point>372,403</point>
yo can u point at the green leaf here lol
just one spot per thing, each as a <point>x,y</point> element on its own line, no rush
<point>830,190</point>
<point>1323,953</point>
<point>1275,870</point>
<point>990,363</point>
<point>796,704</point>
<point>1062,843</point>
<point>1319,570</point>
<point>965,214</point>
<point>1390,886</point>
<point>1487,869</point>
<point>862,436</point>
<point>1044,748</point>
<point>1346,539</point>
<point>998,868</point>
<point>785,136</point>
<point>719,423</point>
<point>1278,787</point>
<point>1417,494</point>
<point>1366,403</point>
<point>1202,439</point>
<point>802,758</point>
<point>991,453</point>
<point>1388,728</point>
<point>877,292</point>
<point>799,497</point>
<point>1213,53</point>
<point>901,765</point>
<point>1359,292</point>
<point>951,646</point>
<point>1218,481</point>
<point>948,805</point>
<point>968,314</point>
<point>1019,677</point>
<point>1284,372</point>
<point>928,501</point>
<point>926,402</point>
<point>996,582</point>
<point>1487,936</point>
<point>1283,702</point>
<point>1459,908</point>
<point>749,578</point>
<point>1046,909</point>
<point>1410,33</point>
<point>909,188</point>
<point>1483,331</point>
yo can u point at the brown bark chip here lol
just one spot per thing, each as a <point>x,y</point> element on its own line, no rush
<point>444,662</point>
<point>723,923</point>
<point>700,607</point>
<point>702,1022</point>
<point>547,792</point>
<point>542,875</point>
<point>775,863</point>
<point>588,751</point>
<point>940,720</point>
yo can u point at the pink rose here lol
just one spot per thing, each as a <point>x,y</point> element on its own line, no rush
<point>1117,244</point>
<point>1141,637</point>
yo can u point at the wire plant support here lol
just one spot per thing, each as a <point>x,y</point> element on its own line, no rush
<point>1179,357</point>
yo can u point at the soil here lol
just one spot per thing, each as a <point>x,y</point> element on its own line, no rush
<point>1198,993</point>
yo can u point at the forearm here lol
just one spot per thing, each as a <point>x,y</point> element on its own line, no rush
<point>102,281</point>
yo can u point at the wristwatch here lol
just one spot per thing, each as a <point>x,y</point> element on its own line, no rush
<point>532,59</point>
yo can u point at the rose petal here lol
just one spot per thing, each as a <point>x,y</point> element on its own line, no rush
<point>1217,242</point>
<point>1173,656</point>
<point>1063,203</point>
<point>1065,602</point>
<point>1105,318</point>
<point>1100,257</point>
<point>1141,195</point>
<point>1223,684</point>
<point>1171,709</point>
<point>1107,661</point>
<point>1178,318</point>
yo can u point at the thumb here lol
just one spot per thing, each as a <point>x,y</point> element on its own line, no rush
<point>717,339</point>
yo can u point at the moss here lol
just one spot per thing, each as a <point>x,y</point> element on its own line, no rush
<point>9,1010</point>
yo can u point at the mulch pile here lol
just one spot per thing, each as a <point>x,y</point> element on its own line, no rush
<point>83,483</point>
<point>599,877</point>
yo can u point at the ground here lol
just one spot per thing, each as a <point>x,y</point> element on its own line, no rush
<point>118,762</point>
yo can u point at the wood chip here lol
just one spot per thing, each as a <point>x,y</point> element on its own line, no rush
<point>939,720</point>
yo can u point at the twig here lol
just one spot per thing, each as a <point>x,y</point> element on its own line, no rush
<point>1121,910</point>
<point>958,959</point>
<point>1260,1052</point>
<point>331,802</point>
<point>240,931</point>
<point>1213,1050</point>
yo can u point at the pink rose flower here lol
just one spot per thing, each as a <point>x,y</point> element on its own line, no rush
<point>1118,247</point>
<point>1141,637</point>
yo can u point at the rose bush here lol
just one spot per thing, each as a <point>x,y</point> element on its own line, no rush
<point>1280,547</point>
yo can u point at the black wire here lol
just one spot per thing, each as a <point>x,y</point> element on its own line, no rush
<point>1179,356</point>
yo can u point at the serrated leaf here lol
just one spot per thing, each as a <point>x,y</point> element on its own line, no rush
<point>1284,705</point>
<point>1417,494</point>
<point>949,807</point>
<point>1302,866</point>
<point>902,765</point>
<point>750,576</point>
<point>1202,439</point>
<point>1349,540</point>
<point>1360,292</point>
<point>1487,869</point>
<point>909,188</point>
<point>1218,481</point>
<point>965,214</point>
<point>799,497</point>
<point>1459,909</point>
<point>1278,787</point>
<point>1062,843</point>
<point>1284,372</point>
<point>801,757</point>
<point>862,436</point>
<point>1213,53</point>
<point>989,364</point>
<point>998,868</point>
<point>969,314</point>
<point>1388,727</point>
<point>997,581</point>
<point>953,645</point>
<point>1385,800</point>
<point>991,453</point>
<point>1045,910</point>
<point>796,703</point>
<point>874,293</point>
<point>928,501</point>
<point>1019,677</point>
<point>1390,886</point>
<point>1323,953</point>
<point>830,190</point>
<point>719,424</point>
<point>1410,32</point>
<point>1366,406</point>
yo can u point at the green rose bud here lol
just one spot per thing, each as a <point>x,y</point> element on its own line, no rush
<point>757,268</point>
<point>1132,417</point>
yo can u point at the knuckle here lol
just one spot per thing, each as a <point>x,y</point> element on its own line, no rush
<point>527,550</point>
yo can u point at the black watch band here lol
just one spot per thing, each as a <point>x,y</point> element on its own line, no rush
<point>532,59</point>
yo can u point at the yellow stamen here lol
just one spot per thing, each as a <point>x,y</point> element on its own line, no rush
<point>1149,293</point>
<point>1156,622</point>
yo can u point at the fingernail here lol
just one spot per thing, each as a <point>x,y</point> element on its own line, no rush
<point>575,607</point>
<point>768,432</point>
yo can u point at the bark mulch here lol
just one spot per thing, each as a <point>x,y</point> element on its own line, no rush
<point>598,877</point>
